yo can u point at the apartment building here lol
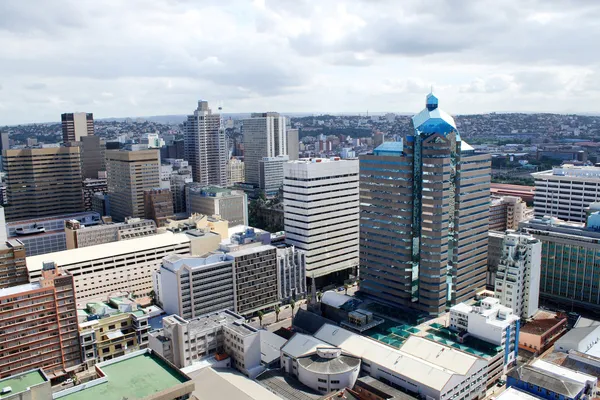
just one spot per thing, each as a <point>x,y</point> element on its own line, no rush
<point>230,205</point>
<point>321,215</point>
<point>78,235</point>
<point>75,126</point>
<point>506,212</point>
<point>193,286</point>
<point>38,325</point>
<point>564,192</point>
<point>291,273</point>
<point>517,283</point>
<point>13,270</point>
<point>42,182</point>
<point>123,266</point>
<point>130,174</point>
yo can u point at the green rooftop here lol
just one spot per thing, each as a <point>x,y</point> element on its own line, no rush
<point>133,378</point>
<point>20,383</point>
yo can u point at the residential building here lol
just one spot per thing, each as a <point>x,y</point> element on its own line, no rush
<point>158,204</point>
<point>206,146</point>
<point>39,325</point>
<point>293,144</point>
<point>93,156</point>
<point>193,286</point>
<point>321,215</point>
<point>123,266</point>
<point>76,126</point>
<point>517,283</point>
<point>235,171</point>
<point>506,212</point>
<point>540,333</point>
<point>139,375</point>
<point>564,192</point>
<point>291,273</point>
<point>47,235</point>
<point>78,235</point>
<point>13,270</point>
<point>568,268</point>
<point>256,285</point>
<point>264,136</point>
<point>32,384</point>
<point>42,182</point>
<point>495,249</point>
<point>493,323</point>
<point>90,188</point>
<point>230,205</point>
<point>130,174</point>
<point>271,174</point>
<point>411,253</point>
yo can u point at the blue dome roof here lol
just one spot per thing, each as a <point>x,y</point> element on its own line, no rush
<point>432,102</point>
<point>433,120</point>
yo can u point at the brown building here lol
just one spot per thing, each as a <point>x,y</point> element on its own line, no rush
<point>507,211</point>
<point>42,182</point>
<point>130,174</point>
<point>13,270</point>
<point>38,325</point>
<point>539,334</point>
<point>424,216</point>
<point>526,193</point>
<point>76,125</point>
<point>90,188</point>
<point>158,204</point>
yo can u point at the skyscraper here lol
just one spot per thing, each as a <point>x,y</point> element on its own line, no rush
<point>264,136</point>
<point>206,146</point>
<point>424,216</point>
<point>42,182</point>
<point>293,144</point>
<point>93,156</point>
<point>77,125</point>
<point>130,173</point>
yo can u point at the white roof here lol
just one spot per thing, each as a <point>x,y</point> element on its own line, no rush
<point>228,384</point>
<point>564,372</point>
<point>424,361</point>
<point>512,393</point>
<point>270,346</point>
<point>106,250</point>
<point>251,250</point>
<point>334,299</point>
<point>301,344</point>
<point>26,287</point>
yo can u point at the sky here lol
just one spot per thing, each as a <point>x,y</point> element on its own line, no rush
<point>131,58</point>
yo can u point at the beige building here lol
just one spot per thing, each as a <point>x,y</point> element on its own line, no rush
<point>507,211</point>
<point>230,205</point>
<point>42,182</point>
<point>76,126</point>
<point>39,325</point>
<point>130,174</point>
<point>200,222</point>
<point>13,270</point>
<point>235,171</point>
<point>79,235</point>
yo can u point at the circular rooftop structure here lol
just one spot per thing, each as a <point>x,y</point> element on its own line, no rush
<point>328,369</point>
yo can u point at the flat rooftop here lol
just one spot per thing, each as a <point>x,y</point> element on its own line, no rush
<point>134,378</point>
<point>542,322</point>
<point>228,384</point>
<point>20,383</point>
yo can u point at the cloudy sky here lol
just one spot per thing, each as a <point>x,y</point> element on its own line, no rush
<point>121,58</point>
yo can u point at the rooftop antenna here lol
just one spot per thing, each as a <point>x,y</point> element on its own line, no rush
<point>431,91</point>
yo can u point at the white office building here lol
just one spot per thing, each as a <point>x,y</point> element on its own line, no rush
<point>271,174</point>
<point>517,283</point>
<point>564,192</point>
<point>264,136</point>
<point>291,273</point>
<point>321,214</point>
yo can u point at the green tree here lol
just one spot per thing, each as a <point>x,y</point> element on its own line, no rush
<point>292,305</point>
<point>319,295</point>
<point>277,311</point>
<point>260,315</point>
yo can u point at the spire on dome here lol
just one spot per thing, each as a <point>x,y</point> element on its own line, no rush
<point>432,102</point>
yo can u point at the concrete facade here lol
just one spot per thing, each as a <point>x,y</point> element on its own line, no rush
<point>230,205</point>
<point>75,126</point>
<point>13,270</point>
<point>78,235</point>
<point>264,136</point>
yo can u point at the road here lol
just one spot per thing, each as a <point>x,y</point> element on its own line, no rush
<point>285,314</point>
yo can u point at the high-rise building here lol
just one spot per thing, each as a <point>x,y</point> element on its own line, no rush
<point>93,156</point>
<point>506,212</point>
<point>4,144</point>
<point>230,205</point>
<point>271,174</point>
<point>291,273</point>
<point>42,182</point>
<point>235,171</point>
<point>564,192</point>
<point>293,144</point>
<point>518,275</point>
<point>39,325</point>
<point>321,215</point>
<point>77,125</point>
<point>264,136</point>
<point>13,270</point>
<point>206,146</point>
<point>130,174</point>
<point>424,216</point>
<point>158,204</point>
<point>179,176</point>
<point>91,186</point>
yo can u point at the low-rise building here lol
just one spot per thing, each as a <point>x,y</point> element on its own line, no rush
<point>542,331</point>
<point>199,222</point>
<point>585,339</point>
<point>28,385</point>
<point>78,235</point>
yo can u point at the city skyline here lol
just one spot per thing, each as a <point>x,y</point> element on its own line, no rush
<point>338,57</point>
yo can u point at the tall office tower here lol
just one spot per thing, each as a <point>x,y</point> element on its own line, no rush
<point>264,136</point>
<point>13,270</point>
<point>235,171</point>
<point>230,205</point>
<point>130,174</point>
<point>206,146</point>
<point>42,182</point>
<point>321,215</point>
<point>518,276</point>
<point>77,125</point>
<point>93,156</point>
<point>39,325</point>
<point>564,192</point>
<point>293,144</point>
<point>158,204</point>
<point>424,216</point>
<point>4,144</point>
<point>271,174</point>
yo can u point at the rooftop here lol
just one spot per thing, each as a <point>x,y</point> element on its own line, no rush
<point>26,287</point>
<point>547,380</point>
<point>541,323</point>
<point>512,393</point>
<point>135,377</point>
<point>21,382</point>
<point>326,365</point>
<point>301,344</point>
<point>286,386</point>
<point>228,384</point>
